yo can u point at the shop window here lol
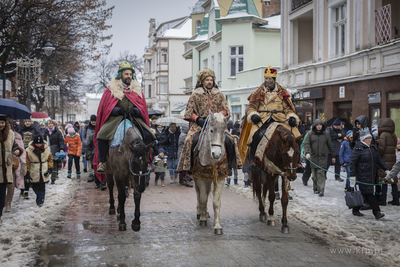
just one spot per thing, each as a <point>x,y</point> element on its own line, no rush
<point>375,115</point>
<point>236,113</point>
<point>394,113</point>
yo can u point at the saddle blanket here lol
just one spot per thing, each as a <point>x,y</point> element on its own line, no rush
<point>120,133</point>
<point>263,144</point>
<point>207,172</point>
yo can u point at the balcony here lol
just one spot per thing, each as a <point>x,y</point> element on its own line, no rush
<point>383,25</point>
<point>299,3</point>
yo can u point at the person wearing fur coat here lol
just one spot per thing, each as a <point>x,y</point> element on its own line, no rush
<point>8,148</point>
<point>123,99</point>
<point>205,97</point>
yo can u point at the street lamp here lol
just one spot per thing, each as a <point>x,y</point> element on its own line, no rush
<point>48,49</point>
<point>63,81</point>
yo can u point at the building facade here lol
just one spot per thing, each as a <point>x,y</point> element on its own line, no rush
<point>164,67</point>
<point>343,58</point>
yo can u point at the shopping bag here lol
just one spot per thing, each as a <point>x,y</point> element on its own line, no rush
<point>354,199</point>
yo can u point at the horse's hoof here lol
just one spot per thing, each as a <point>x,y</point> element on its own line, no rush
<point>272,223</point>
<point>263,218</point>
<point>136,227</point>
<point>122,227</point>
<point>285,230</point>
<point>111,212</point>
<point>203,223</point>
<point>198,216</point>
<point>118,216</point>
<point>218,231</point>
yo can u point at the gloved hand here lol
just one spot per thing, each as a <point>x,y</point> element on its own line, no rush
<point>200,121</point>
<point>135,112</point>
<point>118,112</point>
<point>352,181</point>
<point>292,122</point>
<point>49,171</point>
<point>255,119</point>
<point>388,179</point>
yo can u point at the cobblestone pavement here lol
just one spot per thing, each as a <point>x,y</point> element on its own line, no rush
<point>85,235</point>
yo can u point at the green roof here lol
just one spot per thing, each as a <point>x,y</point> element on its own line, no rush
<point>243,6</point>
<point>204,26</point>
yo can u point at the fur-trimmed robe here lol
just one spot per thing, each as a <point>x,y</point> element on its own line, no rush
<point>7,143</point>
<point>114,93</point>
<point>262,100</point>
<point>198,105</point>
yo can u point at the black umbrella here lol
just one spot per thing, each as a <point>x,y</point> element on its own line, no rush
<point>155,112</point>
<point>347,124</point>
<point>15,109</point>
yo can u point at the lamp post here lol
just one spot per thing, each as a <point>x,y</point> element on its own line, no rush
<point>48,49</point>
<point>63,81</point>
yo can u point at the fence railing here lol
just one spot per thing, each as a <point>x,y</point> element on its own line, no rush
<point>298,3</point>
<point>383,25</point>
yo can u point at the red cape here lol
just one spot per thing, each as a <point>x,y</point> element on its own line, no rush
<point>107,103</point>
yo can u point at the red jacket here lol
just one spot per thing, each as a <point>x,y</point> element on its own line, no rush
<point>74,144</point>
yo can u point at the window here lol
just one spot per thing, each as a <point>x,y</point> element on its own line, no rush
<point>163,85</point>
<point>236,60</point>
<point>339,26</point>
<point>149,91</point>
<point>212,63</point>
<point>219,66</point>
<point>205,63</point>
<point>164,55</point>
<point>198,26</point>
<point>236,113</point>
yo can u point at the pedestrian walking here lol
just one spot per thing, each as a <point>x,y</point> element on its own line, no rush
<point>160,165</point>
<point>55,140</point>
<point>171,138</point>
<point>184,177</point>
<point>74,151</point>
<point>28,127</point>
<point>317,145</point>
<point>83,154</point>
<point>41,128</point>
<point>337,134</point>
<point>40,164</point>
<point>363,167</point>
<point>345,156</point>
<point>387,150</point>
<point>27,138</point>
<point>307,168</point>
<point>87,133</point>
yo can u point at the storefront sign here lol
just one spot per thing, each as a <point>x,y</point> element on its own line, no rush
<point>341,92</point>
<point>302,95</point>
<point>312,94</point>
<point>235,99</point>
<point>374,98</point>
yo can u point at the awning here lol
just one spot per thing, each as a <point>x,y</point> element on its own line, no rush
<point>178,110</point>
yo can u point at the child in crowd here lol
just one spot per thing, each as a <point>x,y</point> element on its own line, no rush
<point>26,139</point>
<point>345,156</point>
<point>160,163</point>
<point>74,151</point>
<point>40,164</point>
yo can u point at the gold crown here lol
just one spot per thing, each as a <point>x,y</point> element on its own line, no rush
<point>125,65</point>
<point>270,72</point>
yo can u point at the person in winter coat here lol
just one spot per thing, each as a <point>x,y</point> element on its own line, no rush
<point>84,161</point>
<point>87,133</point>
<point>363,165</point>
<point>74,151</point>
<point>40,164</point>
<point>41,128</point>
<point>28,127</point>
<point>55,140</point>
<point>171,137</point>
<point>387,150</point>
<point>160,163</point>
<point>76,126</point>
<point>232,168</point>
<point>317,145</point>
<point>337,134</point>
<point>184,177</point>
<point>159,137</point>
<point>236,128</point>
<point>18,172</point>
<point>27,138</point>
<point>361,122</point>
<point>7,144</point>
<point>345,156</point>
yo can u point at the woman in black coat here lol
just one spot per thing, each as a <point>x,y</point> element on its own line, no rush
<point>363,166</point>
<point>55,140</point>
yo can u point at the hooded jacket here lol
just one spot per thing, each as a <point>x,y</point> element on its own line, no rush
<point>171,142</point>
<point>364,121</point>
<point>318,144</point>
<point>74,144</point>
<point>387,144</point>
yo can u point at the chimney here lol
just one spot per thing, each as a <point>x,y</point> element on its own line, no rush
<point>270,8</point>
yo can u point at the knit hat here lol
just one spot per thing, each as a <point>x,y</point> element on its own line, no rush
<point>161,150</point>
<point>93,118</point>
<point>270,72</point>
<point>365,133</point>
<point>125,66</point>
<point>27,133</point>
<point>204,73</point>
<point>349,132</point>
<point>3,117</point>
<point>71,130</point>
<point>38,139</point>
<point>336,122</point>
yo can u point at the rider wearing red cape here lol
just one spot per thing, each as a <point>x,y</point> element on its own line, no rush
<point>109,113</point>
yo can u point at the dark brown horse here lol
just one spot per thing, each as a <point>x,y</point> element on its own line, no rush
<point>283,152</point>
<point>129,161</point>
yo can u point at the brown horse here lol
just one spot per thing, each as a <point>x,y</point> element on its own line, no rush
<point>128,161</point>
<point>283,151</point>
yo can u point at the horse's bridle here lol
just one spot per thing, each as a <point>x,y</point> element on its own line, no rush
<point>138,174</point>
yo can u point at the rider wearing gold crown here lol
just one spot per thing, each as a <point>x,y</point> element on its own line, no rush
<point>273,101</point>
<point>123,98</point>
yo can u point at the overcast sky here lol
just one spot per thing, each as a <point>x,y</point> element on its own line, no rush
<point>130,21</point>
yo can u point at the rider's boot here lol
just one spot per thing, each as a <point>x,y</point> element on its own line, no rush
<point>102,146</point>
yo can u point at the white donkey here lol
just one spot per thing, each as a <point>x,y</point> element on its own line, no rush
<point>211,152</point>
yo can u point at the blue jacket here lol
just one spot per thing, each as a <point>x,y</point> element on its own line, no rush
<point>345,152</point>
<point>171,142</point>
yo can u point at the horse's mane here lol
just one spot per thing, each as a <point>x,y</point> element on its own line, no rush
<point>139,148</point>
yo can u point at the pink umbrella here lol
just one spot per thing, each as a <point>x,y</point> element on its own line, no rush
<point>39,115</point>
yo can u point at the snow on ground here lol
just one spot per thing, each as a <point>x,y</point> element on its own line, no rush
<point>26,227</point>
<point>333,220</point>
